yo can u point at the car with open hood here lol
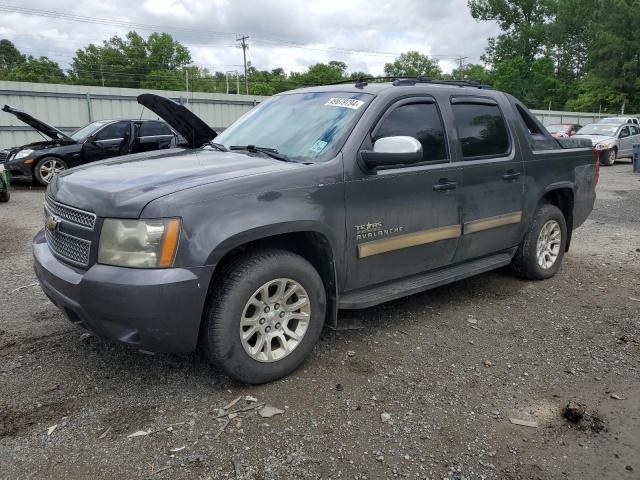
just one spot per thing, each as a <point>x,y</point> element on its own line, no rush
<point>612,140</point>
<point>319,199</point>
<point>40,161</point>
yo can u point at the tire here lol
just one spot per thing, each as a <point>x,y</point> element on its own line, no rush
<point>47,167</point>
<point>228,309</point>
<point>609,157</point>
<point>5,196</point>
<point>527,260</point>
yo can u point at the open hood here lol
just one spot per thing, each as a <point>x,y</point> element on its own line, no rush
<point>38,125</point>
<point>186,123</point>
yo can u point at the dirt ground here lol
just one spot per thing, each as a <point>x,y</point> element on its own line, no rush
<point>449,368</point>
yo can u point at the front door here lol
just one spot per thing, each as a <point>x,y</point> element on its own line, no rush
<point>492,179</point>
<point>635,137</point>
<point>403,220</point>
<point>626,142</point>
<point>111,141</point>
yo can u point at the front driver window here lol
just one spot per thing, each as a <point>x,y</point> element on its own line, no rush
<point>624,132</point>
<point>421,121</point>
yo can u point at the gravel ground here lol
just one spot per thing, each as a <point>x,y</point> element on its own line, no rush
<point>423,387</point>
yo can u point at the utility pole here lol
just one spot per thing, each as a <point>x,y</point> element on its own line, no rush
<point>461,60</point>
<point>244,45</point>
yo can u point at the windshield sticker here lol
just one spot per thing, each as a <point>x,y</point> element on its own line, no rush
<point>318,146</point>
<point>351,103</point>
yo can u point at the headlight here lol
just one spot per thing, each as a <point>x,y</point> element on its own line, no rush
<point>22,154</point>
<point>139,243</point>
<point>604,146</point>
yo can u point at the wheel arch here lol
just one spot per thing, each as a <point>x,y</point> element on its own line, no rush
<point>312,244</point>
<point>562,195</point>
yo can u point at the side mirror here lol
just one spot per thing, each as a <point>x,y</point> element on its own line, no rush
<point>387,151</point>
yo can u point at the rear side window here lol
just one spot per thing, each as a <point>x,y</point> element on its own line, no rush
<point>113,131</point>
<point>481,129</point>
<point>150,129</point>
<point>421,121</point>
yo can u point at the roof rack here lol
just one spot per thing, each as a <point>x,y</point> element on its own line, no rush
<point>361,82</point>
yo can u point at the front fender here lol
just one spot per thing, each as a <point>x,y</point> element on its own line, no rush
<point>266,231</point>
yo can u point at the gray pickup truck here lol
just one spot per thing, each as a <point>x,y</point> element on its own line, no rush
<point>334,197</point>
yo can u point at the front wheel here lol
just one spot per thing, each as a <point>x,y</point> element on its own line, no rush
<point>541,252</point>
<point>264,317</point>
<point>47,168</point>
<point>608,157</point>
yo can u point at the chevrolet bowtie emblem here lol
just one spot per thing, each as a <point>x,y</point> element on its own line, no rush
<point>52,223</point>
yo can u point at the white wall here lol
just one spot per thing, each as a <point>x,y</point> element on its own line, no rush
<point>69,107</point>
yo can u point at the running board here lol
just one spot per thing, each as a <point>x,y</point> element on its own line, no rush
<point>370,296</point>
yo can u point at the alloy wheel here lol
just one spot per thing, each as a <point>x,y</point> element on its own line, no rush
<point>49,168</point>
<point>548,245</point>
<point>275,320</point>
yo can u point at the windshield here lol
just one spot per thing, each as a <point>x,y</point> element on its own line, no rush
<point>557,128</point>
<point>599,129</point>
<point>87,130</point>
<point>304,127</point>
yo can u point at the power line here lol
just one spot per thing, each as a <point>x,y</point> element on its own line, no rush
<point>199,32</point>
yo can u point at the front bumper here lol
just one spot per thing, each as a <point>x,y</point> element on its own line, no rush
<point>158,310</point>
<point>19,170</point>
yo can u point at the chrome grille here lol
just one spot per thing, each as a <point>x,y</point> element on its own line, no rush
<point>70,214</point>
<point>70,248</point>
<point>4,155</point>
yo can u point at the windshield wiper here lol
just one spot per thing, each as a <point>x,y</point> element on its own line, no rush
<point>270,152</point>
<point>218,146</point>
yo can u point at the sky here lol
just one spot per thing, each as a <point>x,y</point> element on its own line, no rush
<point>292,34</point>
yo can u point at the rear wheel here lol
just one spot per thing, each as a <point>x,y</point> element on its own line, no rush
<point>47,168</point>
<point>264,317</point>
<point>540,254</point>
<point>4,196</point>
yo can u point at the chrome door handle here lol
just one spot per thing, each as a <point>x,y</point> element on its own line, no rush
<point>445,185</point>
<point>511,176</point>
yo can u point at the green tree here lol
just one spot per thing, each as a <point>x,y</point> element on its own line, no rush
<point>10,56</point>
<point>323,73</point>
<point>127,62</point>
<point>413,64</point>
<point>472,72</point>
<point>524,24</point>
<point>357,75</point>
<point>595,93</point>
<point>39,69</point>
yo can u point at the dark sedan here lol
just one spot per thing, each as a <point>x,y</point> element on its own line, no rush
<point>40,161</point>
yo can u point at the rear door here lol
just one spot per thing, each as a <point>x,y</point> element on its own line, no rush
<point>403,220</point>
<point>152,135</point>
<point>492,169</point>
